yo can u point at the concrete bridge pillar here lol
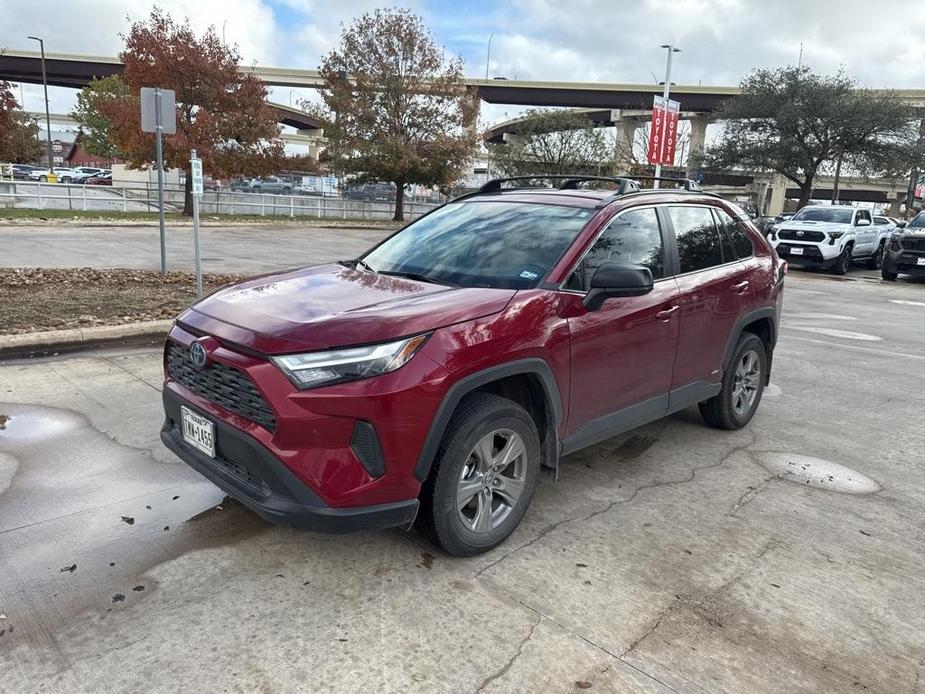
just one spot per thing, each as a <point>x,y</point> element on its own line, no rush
<point>624,140</point>
<point>698,135</point>
<point>778,196</point>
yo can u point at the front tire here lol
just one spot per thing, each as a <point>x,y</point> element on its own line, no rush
<point>483,476</point>
<point>888,275</point>
<point>743,384</point>
<point>843,263</point>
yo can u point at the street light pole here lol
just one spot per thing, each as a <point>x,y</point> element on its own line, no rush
<point>51,161</point>
<point>488,57</point>
<point>665,94</point>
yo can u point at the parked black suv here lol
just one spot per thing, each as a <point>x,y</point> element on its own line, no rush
<point>905,252</point>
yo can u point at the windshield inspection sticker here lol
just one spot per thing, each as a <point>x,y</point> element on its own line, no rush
<point>527,275</point>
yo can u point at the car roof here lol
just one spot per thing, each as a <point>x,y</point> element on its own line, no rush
<point>592,198</point>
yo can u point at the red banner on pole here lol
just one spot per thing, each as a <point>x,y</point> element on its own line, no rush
<point>654,152</point>
<point>663,134</point>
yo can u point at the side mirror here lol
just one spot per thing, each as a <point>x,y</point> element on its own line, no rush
<point>862,223</point>
<point>613,280</point>
<point>900,225</point>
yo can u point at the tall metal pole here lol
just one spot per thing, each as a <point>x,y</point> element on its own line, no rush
<point>488,57</point>
<point>665,94</point>
<point>159,125</point>
<point>51,161</point>
<point>197,249</point>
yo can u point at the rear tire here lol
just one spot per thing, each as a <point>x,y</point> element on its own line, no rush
<point>843,263</point>
<point>876,260</point>
<point>483,476</point>
<point>743,384</point>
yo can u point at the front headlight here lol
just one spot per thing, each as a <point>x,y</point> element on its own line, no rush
<point>896,242</point>
<point>315,369</point>
<point>834,235</point>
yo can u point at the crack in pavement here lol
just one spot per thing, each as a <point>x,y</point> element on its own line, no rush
<point>510,663</point>
<point>693,473</point>
<point>700,602</point>
<point>491,586</point>
<point>749,495</point>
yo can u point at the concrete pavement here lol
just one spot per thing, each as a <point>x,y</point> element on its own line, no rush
<point>244,248</point>
<point>675,558</point>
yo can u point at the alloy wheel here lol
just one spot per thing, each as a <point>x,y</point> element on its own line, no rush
<point>745,383</point>
<point>492,480</point>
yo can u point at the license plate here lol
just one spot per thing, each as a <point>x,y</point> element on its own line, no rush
<point>198,431</point>
<point>796,251</point>
<point>920,261</point>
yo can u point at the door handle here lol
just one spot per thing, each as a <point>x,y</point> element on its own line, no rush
<point>666,314</point>
<point>741,287</point>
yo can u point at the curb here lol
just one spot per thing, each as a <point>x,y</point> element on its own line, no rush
<point>72,338</point>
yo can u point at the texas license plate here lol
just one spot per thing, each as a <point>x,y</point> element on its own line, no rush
<point>796,251</point>
<point>920,261</point>
<point>198,431</point>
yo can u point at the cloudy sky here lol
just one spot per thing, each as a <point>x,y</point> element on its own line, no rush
<point>882,43</point>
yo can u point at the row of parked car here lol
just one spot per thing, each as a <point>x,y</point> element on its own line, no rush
<point>89,175</point>
<point>837,236</point>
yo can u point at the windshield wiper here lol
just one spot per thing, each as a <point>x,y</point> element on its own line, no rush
<point>355,263</point>
<point>420,277</point>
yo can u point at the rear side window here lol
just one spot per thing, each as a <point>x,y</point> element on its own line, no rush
<point>735,231</point>
<point>699,243</point>
<point>634,237</point>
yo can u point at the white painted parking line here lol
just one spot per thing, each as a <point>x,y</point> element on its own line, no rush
<point>904,302</point>
<point>817,316</point>
<point>858,348</point>
<point>832,332</point>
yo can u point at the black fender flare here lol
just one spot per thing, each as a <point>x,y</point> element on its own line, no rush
<point>751,317</point>
<point>533,366</point>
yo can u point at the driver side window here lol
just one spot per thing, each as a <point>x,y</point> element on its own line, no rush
<point>633,237</point>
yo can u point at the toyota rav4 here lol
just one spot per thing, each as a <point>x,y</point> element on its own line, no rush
<point>831,237</point>
<point>430,379</point>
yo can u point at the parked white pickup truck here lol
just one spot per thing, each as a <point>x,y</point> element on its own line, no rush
<point>831,236</point>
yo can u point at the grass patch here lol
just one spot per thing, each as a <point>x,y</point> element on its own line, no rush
<point>37,299</point>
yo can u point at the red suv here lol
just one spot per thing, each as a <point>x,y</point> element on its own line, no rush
<point>430,379</point>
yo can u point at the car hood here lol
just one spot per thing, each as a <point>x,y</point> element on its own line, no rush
<point>808,225</point>
<point>333,305</point>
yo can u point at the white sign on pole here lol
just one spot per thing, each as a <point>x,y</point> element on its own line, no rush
<point>196,171</point>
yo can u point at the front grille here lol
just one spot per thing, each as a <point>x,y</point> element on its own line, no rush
<point>914,243</point>
<point>224,385</point>
<point>793,235</point>
<point>253,481</point>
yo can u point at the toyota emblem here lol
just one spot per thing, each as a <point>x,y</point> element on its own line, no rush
<point>801,233</point>
<point>197,355</point>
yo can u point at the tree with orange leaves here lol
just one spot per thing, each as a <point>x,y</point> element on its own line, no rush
<point>222,113</point>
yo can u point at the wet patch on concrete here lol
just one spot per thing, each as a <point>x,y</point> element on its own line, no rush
<point>816,316</point>
<point>817,472</point>
<point>832,332</point>
<point>8,467</point>
<point>68,490</point>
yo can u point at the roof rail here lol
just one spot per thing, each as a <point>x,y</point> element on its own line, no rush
<point>568,182</point>
<point>686,183</point>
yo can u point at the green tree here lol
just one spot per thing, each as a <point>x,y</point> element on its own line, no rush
<point>798,124</point>
<point>397,106</point>
<point>97,138</point>
<point>554,141</point>
<point>19,142</point>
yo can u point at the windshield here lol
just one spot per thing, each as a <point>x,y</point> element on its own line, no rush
<point>919,220</point>
<point>506,245</point>
<point>838,215</point>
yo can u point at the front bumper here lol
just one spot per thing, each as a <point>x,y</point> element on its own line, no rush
<point>247,471</point>
<point>904,262</point>
<point>813,255</point>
